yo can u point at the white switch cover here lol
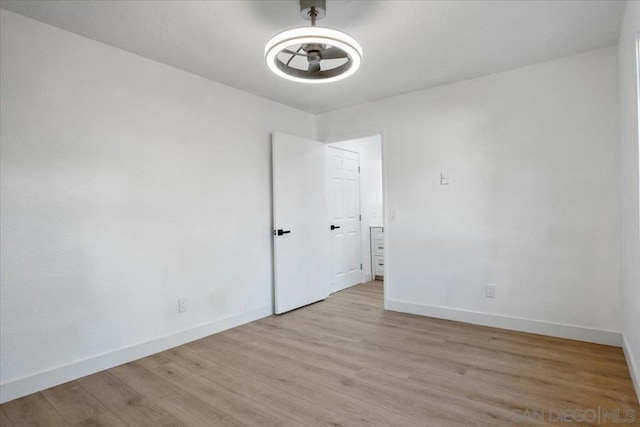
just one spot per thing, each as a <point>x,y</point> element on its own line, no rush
<point>394,214</point>
<point>444,178</point>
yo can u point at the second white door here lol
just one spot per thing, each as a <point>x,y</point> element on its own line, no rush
<point>344,217</point>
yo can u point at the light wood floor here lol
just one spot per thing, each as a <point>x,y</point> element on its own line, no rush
<point>345,362</point>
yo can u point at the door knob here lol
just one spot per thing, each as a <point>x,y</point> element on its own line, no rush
<point>280,232</point>
<point>333,227</point>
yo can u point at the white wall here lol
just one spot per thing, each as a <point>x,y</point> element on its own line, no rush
<point>630,188</point>
<point>533,205</point>
<point>126,184</point>
<point>370,152</point>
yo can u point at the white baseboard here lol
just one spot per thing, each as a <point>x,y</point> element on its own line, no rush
<point>560,330</point>
<point>52,377</point>
<point>633,367</point>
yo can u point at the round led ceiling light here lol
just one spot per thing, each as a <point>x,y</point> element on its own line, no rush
<point>313,54</point>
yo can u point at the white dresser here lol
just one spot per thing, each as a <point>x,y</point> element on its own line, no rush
<point>377,253</point>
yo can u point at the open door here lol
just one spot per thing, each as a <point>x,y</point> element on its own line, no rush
<point>300,235</point>
<point>344,216</point>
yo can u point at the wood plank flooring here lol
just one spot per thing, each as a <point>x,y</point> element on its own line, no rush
<point>347,362</point>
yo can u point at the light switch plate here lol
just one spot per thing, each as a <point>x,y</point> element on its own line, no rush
<point>444,178</point>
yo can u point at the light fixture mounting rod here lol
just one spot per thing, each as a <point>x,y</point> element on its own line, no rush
<point>313,10</point>
<point>313,15</point>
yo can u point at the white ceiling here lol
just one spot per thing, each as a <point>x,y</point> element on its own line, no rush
<point>408,45</point>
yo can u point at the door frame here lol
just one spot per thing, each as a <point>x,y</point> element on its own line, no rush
<point>388,280</point>
<point>327,173</point>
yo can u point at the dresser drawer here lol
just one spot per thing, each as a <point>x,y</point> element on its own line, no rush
<point>378,265</point>
<point>377,252</point>
<point>378,233</point>
<point>378,247</point>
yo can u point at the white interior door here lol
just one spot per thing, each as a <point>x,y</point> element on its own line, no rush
<point>344,217</point>
<point>300,241</point>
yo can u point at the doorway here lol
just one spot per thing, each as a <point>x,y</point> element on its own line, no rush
<point>303,227</point>
<point>355,192</point>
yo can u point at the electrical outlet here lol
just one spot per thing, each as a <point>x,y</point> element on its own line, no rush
<point>182,305</point>
<point>490,291</point>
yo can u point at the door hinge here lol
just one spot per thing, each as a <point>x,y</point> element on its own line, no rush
<point>358,169</point>
<point>360,217</point>
<point>360,266</point>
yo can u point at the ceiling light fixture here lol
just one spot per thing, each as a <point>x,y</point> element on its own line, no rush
<point>313,54</point>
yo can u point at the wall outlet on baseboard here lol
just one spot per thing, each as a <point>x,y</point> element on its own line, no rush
<point>182,305</point>
<point>490,291</point>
